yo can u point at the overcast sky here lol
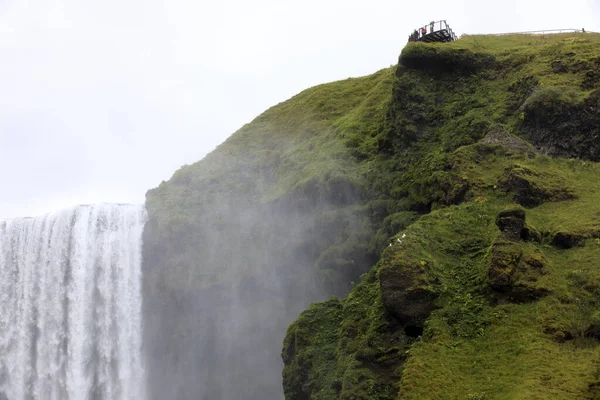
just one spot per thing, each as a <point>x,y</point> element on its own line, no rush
<point>101,100</point>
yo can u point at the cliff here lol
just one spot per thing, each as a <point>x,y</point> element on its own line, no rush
<point>278,216</point>
<point>492,293</point>
<point>460,184</point>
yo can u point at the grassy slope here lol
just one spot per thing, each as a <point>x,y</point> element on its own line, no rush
<point>293,151</point>
<point>478,343</point>
<point>516,350</point>
<point>273,218</point>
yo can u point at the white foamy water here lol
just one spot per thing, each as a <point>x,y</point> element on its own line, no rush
<point>70,305</point>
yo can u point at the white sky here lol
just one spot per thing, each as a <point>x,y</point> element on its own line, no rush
<point>101,100</point>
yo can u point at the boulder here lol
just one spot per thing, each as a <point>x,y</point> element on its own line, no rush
<point>532,188</point>
<point>406,294</point>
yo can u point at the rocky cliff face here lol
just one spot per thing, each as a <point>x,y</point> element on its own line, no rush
<point>492,292</point>
<point>241,242</point>
<point>443,182</point>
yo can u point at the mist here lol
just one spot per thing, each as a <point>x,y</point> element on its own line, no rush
<point>223,282</point>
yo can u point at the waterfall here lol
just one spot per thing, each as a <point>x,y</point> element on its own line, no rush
<point>70,305</point>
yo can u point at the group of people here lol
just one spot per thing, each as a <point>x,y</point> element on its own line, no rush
<point>419,33</point>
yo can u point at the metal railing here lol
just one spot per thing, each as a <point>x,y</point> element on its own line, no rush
<point>542,32</point>
<point>432,27</point>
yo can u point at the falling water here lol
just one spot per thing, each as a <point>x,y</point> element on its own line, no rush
<point>70,305</point>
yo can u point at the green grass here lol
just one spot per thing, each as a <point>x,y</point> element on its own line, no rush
<point>471,347</point>
<point>299,150</point>
<point>403,144</point>
<point>479,343</point>
<point>520,353</point>
<point>514,359</point>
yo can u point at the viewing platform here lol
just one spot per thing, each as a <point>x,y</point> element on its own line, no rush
<point>435,31</point>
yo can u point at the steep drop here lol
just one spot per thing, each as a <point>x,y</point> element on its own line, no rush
<point>70,304</point>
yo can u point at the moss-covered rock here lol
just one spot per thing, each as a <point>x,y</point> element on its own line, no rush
<point>443,59</point>
<point>532,188</point>
<point>406,293</point>
<point>311,341</point>
<point>239,243</point>
<point>511,223</point>
<point>505,256</point>
<point>349,349</point>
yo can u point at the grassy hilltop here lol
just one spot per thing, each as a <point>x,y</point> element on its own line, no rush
<point>461,184</point>
<point>493,291</point>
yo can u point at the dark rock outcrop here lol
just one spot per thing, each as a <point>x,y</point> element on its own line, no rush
<point>511,223</point>
<point>563,127</point>
<point>512,272</point>
<point>438,60</point>
<point>405,293</point>
<point>565,240</point>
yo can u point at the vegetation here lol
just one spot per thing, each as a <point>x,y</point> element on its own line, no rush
<point>295,158</point>
<point>238,244</point>
<point>461,184</point>
<point>488,300</point>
